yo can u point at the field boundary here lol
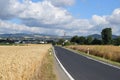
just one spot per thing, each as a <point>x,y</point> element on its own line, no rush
<point>68,74</point>
<point>91,58</point>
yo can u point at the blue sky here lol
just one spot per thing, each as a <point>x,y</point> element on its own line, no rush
<point>75,17</point>
<point>87,8</point>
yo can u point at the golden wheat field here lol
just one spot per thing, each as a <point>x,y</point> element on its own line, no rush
<point>106,51</point>
<point>21,62</point>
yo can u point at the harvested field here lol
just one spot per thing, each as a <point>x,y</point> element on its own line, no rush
<point>109,52</point>
<point>21,62</point>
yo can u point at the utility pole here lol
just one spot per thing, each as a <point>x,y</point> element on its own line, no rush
<point>64,34</point>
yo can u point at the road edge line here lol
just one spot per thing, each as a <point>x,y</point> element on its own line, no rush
<point>66,72</point>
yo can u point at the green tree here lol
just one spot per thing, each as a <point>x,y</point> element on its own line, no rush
<point>67,43</point>
<point>89,40</point>
<point>61,41</point>
<point>116,41</point>
<point>96,42</point>
<point>106,35</point>
<point>81,40</point>
<point>74,39</point>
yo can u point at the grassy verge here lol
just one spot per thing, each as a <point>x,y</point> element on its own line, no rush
<point>47,72</point>
<point>105,51</point>
<point>96,57</point>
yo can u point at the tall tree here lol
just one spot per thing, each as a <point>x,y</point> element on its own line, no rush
<point>106,35</point>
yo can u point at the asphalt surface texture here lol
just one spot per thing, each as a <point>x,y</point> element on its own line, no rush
<point>82,68</point>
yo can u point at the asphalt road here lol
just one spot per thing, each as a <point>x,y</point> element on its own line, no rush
<point>82,68</point>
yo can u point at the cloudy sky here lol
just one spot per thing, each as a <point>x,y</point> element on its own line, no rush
<point>54,17</point>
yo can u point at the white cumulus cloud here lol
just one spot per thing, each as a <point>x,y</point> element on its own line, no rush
<point>62,3</point>
<point>115,17</point>
<point>49,17</point>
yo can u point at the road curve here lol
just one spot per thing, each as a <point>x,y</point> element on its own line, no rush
<point>82,68</point>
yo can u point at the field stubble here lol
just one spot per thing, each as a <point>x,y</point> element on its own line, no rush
<point>105,51</point>
<point>21,62</point>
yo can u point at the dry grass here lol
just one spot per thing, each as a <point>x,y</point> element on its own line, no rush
<point>47,71</point>
<point>21,62</point>
<point>109,52</point>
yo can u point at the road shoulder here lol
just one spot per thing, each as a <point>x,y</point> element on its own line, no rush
<point>60,74</point>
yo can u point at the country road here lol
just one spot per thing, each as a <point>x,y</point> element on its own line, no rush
<point>82,68</point>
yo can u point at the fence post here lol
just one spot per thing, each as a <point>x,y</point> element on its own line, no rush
<point>88,50</point>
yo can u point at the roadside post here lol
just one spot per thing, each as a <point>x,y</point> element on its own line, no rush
<point>88,51</point>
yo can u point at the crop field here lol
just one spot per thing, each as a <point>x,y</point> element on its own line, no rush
<point>106,51</point>
<point>22,62</point>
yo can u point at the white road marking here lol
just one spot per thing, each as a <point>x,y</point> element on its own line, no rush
<point>70,77</point>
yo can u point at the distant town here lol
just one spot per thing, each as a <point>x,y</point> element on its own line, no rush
<point>30,38</point>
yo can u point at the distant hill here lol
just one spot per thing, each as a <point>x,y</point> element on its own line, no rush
<point>23,35</point>
<point>98,36</point>
<point>114,36</point>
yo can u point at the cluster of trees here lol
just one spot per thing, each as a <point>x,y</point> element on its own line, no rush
<point>85,40</point>
<point>4,41</point>
<point>63,42</point>
<point>116,41</point>
<point>106,39</point>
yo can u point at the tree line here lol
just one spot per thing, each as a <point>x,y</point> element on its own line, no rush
<point>106,39</point>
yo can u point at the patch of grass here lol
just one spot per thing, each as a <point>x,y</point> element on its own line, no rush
<point>95,57</point>
<point>47,71</point>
